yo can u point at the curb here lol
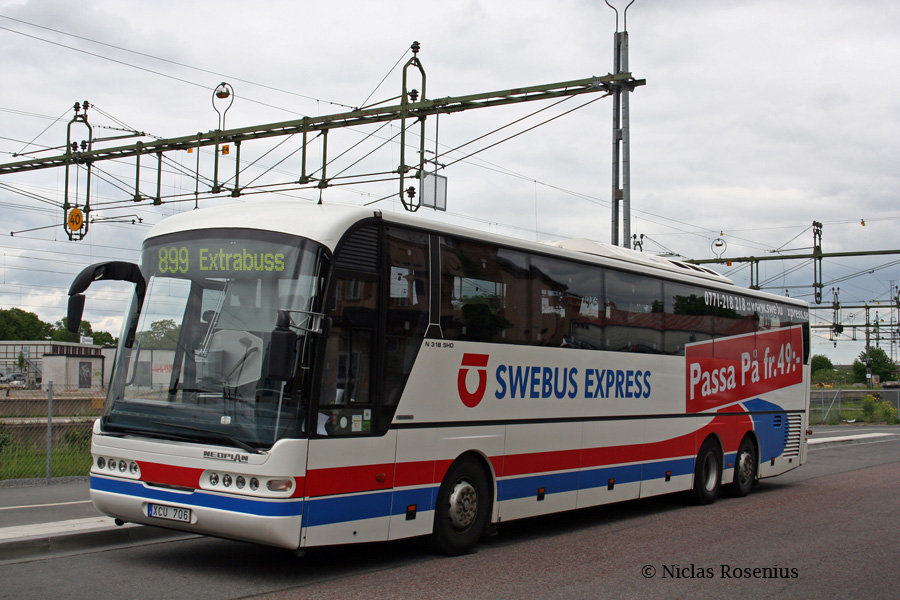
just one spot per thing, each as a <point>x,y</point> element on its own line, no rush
<point>45,546</point>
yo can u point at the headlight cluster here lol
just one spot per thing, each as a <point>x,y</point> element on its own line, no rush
<point>246,484</point>
<point>119,466</point>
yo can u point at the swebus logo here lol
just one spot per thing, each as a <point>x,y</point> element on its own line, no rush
<point>478,362</point>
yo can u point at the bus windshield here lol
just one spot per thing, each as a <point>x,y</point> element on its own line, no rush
<point>197,368</point>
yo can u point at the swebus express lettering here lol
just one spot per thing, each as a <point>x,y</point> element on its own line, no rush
<point>728,370</point>
<point>538,382</point>
<point>535,382</point>
<point>617,383</point>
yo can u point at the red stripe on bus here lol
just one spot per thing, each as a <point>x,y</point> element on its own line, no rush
<point>346,480</point>
<point>414,473</point>
<point>170,474</point>
<point>364,478</point>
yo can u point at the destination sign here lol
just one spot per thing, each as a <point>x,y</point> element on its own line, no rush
<point>181,260</point>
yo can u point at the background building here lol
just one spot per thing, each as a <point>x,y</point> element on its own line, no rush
<point>62,363</point>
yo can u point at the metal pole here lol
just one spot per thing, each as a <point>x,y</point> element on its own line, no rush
<point>626,149</point>
<point>49,427</point>
<point>616,137</point>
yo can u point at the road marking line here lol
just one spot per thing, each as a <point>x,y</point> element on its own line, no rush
<point>842,438</point>
<point>42,505</point>
<point>71,526</point>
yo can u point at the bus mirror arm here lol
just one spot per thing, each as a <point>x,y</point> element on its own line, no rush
<point>112,270</point>
<point>73,315</point>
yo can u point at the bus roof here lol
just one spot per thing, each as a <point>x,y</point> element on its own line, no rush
<point>327,224</point>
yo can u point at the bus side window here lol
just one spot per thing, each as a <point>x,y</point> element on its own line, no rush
<point>406,313</point>
<point>484,293</point>
<point>345,399</point>
<point>634,312</point>
<point>557,289</point>
<point>688,319</point>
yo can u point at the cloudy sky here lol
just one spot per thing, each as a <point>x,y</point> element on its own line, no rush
<point>758,118</point>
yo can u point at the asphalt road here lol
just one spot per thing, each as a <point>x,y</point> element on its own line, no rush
<point>826,530</point>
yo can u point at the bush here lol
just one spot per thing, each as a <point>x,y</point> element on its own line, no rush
<point>876,410</point>
<point>869,403</point>
<point>886,413</point>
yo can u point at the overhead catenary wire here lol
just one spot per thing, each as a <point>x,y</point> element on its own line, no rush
<point>583,196</point>
<point>57,120</point>
<point>158,58</point>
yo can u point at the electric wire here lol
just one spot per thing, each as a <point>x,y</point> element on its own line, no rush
<point>469,156</point>
<point>228,77</point>
<point>391,70</point>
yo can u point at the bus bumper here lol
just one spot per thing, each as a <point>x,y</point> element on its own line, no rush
<point>262,521</point>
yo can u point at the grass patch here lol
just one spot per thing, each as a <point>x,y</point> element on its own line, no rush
<point>18,462</point>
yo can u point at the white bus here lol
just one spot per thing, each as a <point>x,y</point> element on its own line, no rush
<point>301,375</point>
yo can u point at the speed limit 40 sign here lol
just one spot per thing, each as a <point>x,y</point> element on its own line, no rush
<point>75,219</point>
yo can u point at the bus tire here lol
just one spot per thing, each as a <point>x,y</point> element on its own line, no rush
<point>746,466</point>
<point>707,473</point>
<point>463,507</point>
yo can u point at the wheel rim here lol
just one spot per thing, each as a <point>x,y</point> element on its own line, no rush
<point>745,468</point>
<point>463,505</point>
<point>710,472</point>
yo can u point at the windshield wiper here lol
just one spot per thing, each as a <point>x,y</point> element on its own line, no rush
<point>218,435</point>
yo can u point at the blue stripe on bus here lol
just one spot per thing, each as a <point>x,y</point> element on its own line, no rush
<point>556,483</point>
<point>253,506</point>
<point>423,498</point>
<point>526,487</point>
<point>339,509</point>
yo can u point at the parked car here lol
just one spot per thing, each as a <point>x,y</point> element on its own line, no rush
<point>13,380</point>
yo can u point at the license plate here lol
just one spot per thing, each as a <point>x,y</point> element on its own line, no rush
<point>170,513</point>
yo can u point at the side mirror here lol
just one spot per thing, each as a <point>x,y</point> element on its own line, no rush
<point>282,348</point>
<point>111,271</point>
<point>76,310</point>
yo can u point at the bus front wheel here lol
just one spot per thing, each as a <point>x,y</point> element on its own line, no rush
<point>707,473</point>
<point>463,507</point>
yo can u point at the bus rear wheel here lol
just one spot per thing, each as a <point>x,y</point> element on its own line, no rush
<point>463,507</point>
<point>707,473</point>
<point>745,467</point>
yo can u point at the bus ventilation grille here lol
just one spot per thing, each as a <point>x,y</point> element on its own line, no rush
<point>359,252</point>
<point>792,436</point>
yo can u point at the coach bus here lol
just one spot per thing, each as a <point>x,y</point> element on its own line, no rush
<point>302,375</point>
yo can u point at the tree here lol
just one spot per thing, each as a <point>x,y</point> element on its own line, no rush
<point>17,324</point>
<point>61,333</point>
<point>823,371</point>
<point>105,338</point>
<point>881,364</point>
<point>163,334</point>
<point>819,362</point>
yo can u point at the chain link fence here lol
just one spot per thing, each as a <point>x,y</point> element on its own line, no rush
<point>834,406</point>
<point>46,433</point>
